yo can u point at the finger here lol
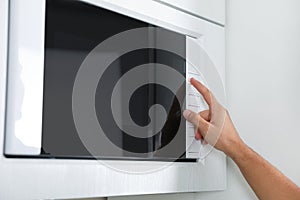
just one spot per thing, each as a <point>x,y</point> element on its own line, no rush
<point>203,90</point>
<point>205,115</point>
<point>198,135</point>
<point>203,126</point>
<point>197,121</point>
<point>191,117</point>
<point>204,142</point>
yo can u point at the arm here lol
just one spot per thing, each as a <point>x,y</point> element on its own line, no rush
<point>216,128</point>
<point>266,181</point>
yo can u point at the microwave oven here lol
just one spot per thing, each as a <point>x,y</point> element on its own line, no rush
<point>97,84</point>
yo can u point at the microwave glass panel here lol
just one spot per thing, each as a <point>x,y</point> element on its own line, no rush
<point>73,30</point>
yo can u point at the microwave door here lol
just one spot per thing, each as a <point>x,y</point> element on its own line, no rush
<point>155,106</point>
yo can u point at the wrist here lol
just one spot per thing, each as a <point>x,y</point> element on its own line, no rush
<point>237,149</point>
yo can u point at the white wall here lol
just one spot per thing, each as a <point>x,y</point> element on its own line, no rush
<point>263,88</point>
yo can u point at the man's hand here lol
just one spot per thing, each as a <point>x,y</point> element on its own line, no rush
<point>216,127</point>
<point>213,125</point>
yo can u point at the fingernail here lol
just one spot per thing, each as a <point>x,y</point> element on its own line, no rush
<point>186,114</point>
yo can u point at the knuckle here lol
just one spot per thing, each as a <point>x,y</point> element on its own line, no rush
<point>206,90</point>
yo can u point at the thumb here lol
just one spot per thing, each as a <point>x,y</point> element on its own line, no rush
<point>191,117</point>
<point>196,120</point>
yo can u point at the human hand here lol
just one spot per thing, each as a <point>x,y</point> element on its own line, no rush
<point>213,125</point>
<point>216,127</point>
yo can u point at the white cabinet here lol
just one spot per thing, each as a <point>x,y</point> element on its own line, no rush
<point>212,10</point>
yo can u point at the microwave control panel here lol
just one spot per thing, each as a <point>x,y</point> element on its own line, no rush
<point>196,103</point>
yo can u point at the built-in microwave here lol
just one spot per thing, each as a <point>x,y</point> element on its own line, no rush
<point>95,83</point>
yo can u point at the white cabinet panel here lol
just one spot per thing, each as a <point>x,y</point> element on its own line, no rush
<point>213,10</point>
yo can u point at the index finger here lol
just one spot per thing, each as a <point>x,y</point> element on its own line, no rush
<point>203,90</point>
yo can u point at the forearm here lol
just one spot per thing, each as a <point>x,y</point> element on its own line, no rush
<point>265,180</point>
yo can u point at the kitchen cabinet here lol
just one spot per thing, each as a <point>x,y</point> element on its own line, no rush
<point>212,10</point>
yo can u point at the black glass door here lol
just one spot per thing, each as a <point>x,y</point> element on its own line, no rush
<point>73,30</point>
